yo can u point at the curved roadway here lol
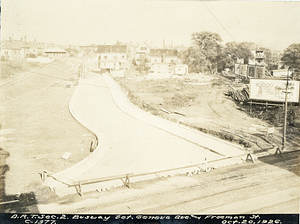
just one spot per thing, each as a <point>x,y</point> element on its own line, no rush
<point>131,140</point>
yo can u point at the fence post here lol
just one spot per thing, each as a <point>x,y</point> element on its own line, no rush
<point>249,156</point>
<point>91,147</point>
<point>44,176</point>
<point>127,182</point>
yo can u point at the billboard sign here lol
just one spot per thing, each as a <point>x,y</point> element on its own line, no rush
<point>273,90</point>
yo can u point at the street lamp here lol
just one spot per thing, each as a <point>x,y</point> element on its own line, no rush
<point>285,110</point>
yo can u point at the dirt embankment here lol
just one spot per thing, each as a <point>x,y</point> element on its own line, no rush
<point>10,69</point>
<point>37,127</point>
<point>198,101</point>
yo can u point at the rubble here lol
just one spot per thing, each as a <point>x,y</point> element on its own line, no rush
<point>237,94</point>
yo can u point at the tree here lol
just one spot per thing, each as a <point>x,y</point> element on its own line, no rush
<point>238,50</point>
<point>194,58</point>
<point>291,56</point>
<point>209,44</point>
<point>204,53</point>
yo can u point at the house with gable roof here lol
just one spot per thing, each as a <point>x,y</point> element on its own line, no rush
<point>16,50</point>
<point>142,51</point>
<point>112,57</point>
<point>12,50</point>
<point>54,52</point>
<point>163,61</point>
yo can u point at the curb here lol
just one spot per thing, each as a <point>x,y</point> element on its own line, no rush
<point>113,87</point>
<point>87,163</point>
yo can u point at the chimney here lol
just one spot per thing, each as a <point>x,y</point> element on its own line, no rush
<point>163,43</point>
<point>10,38</point>
<point>172,44</point>
<point>25,39</point>
<point>34,40</point>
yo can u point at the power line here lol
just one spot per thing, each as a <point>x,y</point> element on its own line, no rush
<point>219,22</point>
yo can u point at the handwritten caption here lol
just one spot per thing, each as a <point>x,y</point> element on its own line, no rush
<point>222,219</point>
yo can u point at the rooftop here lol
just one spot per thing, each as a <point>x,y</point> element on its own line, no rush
<point>112,48</point>
<point>163,52</point>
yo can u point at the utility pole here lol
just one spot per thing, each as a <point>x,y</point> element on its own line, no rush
<point>285,112</point>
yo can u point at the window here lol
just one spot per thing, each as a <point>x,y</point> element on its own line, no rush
<point>123,56</point>
<point>105,57</point>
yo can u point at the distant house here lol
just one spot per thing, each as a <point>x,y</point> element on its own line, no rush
<point>12,50</point>
<point>163,56</point>
<point>112,57</point>
<point>259,57</point>
<point>54,52</point>
<point>163,68</point>
<point>87,49</point>
<point>15,50</point>
<point>163,61</point>
<point>181,69</point>
<point>142,51</point>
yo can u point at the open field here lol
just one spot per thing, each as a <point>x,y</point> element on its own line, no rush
<point>198,101</point>
<point>37,128</point>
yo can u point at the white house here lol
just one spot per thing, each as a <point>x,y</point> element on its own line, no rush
<point>163,56</point>
<point>112,57</point>
<point>142,51</point>
<point>181,69</point>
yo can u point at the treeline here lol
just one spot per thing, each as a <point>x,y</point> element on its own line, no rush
<point>208,54</point>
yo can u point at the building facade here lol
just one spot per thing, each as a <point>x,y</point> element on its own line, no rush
<point>112,57</point>
<point>16,50</point>
<point>55,52</point>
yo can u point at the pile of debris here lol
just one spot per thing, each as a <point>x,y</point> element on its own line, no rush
<point>238,95</point>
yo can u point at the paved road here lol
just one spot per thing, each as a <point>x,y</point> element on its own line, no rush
<point>136,142</point>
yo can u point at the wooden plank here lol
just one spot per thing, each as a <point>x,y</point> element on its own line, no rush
<point>102,179</point>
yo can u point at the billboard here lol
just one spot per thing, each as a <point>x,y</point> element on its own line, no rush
<point>273,90</point>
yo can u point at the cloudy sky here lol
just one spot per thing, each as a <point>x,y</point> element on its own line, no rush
<point>274,24</point>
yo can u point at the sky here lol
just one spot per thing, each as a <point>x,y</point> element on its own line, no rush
<point>274,24</point>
